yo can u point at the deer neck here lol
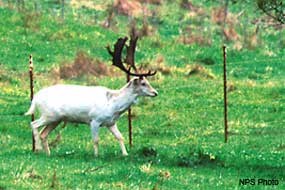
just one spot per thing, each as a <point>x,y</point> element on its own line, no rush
<point>124,99</point>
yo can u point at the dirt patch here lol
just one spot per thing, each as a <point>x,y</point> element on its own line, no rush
<point>198,39</point>
<point>130,8</point>
<point>206,60</point>
<point>83,65</point>
<point>8,76</point>
<point>238,45</point>
<point>199,70</point>
<point>193,36</point>
<point>193,9</point>
<point>218,16</point>
<point>231,87</point>
<point>87,4</point>
<point>252,39</point>
<point>160,66</point>
<point>156,64</point>
<point>186,4</point>
<point>147,29</point>
<point>231,34</point>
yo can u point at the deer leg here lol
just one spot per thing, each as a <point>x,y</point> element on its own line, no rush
<point>35,125</point>
<point>115,131</point>
<point>58,137</point>
<point>44,134</point>
<point>95,135</point>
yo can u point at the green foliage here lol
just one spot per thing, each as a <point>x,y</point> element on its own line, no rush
<point>273,8</point>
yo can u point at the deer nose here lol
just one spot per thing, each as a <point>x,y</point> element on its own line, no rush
<point>155,93</point>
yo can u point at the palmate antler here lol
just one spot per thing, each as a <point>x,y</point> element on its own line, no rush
<point>131,48</point>
<point>117,56</point>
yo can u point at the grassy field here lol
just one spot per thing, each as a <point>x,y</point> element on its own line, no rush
<point>179,135</point>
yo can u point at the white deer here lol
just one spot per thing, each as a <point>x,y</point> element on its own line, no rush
<point>97,106</point>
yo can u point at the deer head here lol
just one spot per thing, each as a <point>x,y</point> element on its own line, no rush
<point>139,83</point>
<point>141,87</point>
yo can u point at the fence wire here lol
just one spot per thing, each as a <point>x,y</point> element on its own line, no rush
<point>231,63</point>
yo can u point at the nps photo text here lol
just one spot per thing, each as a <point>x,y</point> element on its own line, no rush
<point>259,182</point>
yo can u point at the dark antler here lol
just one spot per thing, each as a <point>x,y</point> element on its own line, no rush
<point>117,56</point>
<point>131,49</point>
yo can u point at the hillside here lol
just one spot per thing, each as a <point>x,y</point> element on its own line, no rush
<point>179,135</point>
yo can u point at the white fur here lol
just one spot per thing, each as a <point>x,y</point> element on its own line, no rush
<point>97,106</point>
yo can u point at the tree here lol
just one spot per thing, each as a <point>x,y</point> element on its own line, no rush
<point>273,8</point>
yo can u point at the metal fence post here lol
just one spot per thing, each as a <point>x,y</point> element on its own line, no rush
<point>225,94</point>
<point>130,121</point>
<point>31,67</point>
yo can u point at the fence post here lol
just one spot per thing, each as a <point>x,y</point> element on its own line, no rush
<point>31,67</point>
<point>225,94</point>
<point>130,121</point>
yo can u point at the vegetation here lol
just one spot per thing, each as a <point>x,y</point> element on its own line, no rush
<point>178,136</point>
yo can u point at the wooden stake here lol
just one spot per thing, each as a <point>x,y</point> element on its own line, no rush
<point>31,67</point>
<point>225,94</point>
<point>130,121</point>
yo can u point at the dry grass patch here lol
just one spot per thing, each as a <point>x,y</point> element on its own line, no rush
<point>192,39</point>
<point>198,70</point>
<point>192,35</point>
<point>160,66</point>
<point>231,34</point>
<point>83,65</point>
<point>218,16</point>
<point>130,8</point>
<point>87,4</point>
<point>157,64</point>
<point>193,9</point>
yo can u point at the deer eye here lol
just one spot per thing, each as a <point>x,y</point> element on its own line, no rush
<point>143,84</point>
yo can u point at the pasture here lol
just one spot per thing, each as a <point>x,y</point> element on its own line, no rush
<point>178,136</point>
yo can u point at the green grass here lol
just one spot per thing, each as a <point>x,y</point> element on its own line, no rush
<point>179,133</point>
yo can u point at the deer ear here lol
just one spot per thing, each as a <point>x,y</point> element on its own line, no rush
<point>136,81</point>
